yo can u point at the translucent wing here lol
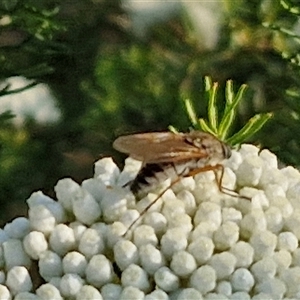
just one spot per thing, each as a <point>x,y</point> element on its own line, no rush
<point>159,147</point>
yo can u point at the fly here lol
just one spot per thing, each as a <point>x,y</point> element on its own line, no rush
<point>173,155</point>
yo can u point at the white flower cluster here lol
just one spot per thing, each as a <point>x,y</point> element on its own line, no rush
<point>193,243</point>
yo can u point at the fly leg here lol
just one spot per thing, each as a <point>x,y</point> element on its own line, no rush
<point>218,170</point>
<point>152,203</point>
<point>179,177</point>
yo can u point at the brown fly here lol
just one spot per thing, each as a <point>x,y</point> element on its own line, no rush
<point>171,155</point>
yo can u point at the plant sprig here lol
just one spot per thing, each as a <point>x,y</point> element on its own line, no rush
<point>221,129</point>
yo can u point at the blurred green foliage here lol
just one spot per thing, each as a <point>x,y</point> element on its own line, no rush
<point>109,82</point>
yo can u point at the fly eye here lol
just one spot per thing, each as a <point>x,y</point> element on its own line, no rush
<point>226,151</point>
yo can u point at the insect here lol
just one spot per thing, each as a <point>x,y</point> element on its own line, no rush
<point>173,155</point>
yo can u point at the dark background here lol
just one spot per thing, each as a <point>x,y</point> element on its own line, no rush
<point>111,77</point>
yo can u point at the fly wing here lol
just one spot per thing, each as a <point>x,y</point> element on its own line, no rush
<point>158,147</point>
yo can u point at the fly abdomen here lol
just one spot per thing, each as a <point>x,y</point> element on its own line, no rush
<point>146,176</point>
<point>153,174</point>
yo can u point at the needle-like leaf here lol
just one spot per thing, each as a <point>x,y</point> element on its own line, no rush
<point>252,126</point>
<point>221,129</point>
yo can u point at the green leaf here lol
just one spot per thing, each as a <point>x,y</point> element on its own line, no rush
<point>205,127</point>
<point>173,129</point>
<point>230,108</point>
<point>252,126</point>
<point>207,83</point>
<point>212,107</point>
<point>221,130</point>
<point>7,115</point>
<point>191,112</point>
<point>5,91</point>
<point>289,6</point>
